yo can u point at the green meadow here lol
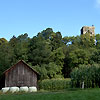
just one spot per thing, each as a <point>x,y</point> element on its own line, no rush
<point>71,94</point>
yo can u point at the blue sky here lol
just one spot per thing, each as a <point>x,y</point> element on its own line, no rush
<point>32,16</point>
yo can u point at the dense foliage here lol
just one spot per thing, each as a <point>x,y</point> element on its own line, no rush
<point>54,84</point>
<point>52,55</point>
<point>89,74</point>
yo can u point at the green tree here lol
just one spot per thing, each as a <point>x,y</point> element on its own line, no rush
<point>3,40</point>
<point>48,71</point>
<point>46,34</point>
<point>4,57</point>
<point>87,40</point>
<point>95,56</point>
<point>79,56</point>
<point>39,51</point>
<point>19,48</point>
<point>97,41</point>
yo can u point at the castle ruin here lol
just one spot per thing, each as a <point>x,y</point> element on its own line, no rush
<point>88,29</point>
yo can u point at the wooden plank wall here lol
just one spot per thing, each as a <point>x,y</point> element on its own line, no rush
<point>20,75</point>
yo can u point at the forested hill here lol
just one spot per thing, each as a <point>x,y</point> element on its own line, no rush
<point>50,54</point>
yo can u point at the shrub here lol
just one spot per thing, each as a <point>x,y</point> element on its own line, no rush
<point>54,84</point>
<point>89,74</point>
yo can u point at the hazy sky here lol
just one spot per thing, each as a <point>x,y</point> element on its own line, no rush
<point>32,16</point>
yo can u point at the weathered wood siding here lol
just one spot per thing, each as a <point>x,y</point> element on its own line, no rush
<point>20,75</point>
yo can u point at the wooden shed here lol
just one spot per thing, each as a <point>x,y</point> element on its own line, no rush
<point>19,75</point>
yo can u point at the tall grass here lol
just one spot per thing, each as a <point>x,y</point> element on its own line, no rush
<point>89,74</point>
<point>54,84</point>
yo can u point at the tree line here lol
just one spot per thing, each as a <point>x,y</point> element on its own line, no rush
<point>52,55</point>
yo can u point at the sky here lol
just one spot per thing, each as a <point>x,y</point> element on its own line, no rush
<point>32,16</point>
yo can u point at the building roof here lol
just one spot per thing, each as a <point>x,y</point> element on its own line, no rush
<point>23,63</point>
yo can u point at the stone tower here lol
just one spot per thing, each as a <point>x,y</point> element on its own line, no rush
<point>90,29</point>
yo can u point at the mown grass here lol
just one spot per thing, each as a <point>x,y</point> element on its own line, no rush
<point>72,94</point>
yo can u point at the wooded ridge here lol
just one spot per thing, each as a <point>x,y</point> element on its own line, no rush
<point>50,54</point>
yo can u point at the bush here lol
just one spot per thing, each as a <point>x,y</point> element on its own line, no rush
<point>54,84</point>
<point>89,74</point>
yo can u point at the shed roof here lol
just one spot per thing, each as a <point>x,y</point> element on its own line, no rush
<point>23,63</point>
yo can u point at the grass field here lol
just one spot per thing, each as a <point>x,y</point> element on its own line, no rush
<point>73,94</point>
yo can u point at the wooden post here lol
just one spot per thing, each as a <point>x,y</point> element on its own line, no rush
<point>82,85</point>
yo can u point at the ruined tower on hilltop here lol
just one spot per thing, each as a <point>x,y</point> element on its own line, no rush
<point>88,29</point>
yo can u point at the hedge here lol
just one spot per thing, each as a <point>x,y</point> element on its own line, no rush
<point>54,84</point>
